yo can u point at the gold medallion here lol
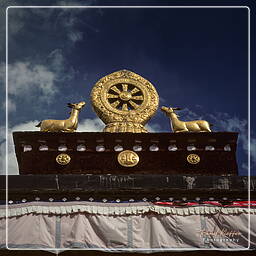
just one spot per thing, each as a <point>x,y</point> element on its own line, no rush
<point>193,158</point>
<point>128,158</point>
<point>63,159</point>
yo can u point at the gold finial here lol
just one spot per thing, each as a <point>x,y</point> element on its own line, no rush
<point>124,101</point>
<point>68,125</point>
<point>180,126</point>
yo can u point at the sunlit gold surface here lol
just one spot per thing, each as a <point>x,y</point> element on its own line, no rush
<point>128,158</point>
<point>180,126</point>
<point>68,125</point>
<point>124,101</point>
<point>63,159</point>
<point>193,158</point>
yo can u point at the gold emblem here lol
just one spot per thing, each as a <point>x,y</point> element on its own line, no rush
<point>124,101</point>
<point>63,159</point>
<point>193,159</point>
<point>128,158</point>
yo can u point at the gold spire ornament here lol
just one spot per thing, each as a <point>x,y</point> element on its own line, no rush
<point>124,101</point>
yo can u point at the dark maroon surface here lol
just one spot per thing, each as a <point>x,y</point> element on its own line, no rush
<point>217,162</point>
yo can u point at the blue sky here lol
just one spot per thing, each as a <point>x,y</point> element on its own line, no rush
<point>197,59</point>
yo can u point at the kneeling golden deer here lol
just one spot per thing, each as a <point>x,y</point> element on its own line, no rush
<point>180,126</point>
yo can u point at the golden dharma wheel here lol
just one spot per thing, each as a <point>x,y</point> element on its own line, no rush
<point>124,101</point>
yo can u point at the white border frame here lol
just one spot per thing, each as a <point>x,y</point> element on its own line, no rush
<point>249,128</point>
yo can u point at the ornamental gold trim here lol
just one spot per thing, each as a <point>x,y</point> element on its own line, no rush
<point>128,158</point>
<point>63,159</point>
<point>124,101</point>
<point>193,158</point>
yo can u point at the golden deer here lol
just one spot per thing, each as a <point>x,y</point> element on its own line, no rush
<point>68,125</point>
<point>180,126</point>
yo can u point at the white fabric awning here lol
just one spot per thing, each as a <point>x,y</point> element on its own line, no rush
<point>117,209</point>
<point>137,227</point>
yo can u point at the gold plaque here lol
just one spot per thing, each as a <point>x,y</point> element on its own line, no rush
<point>128,158</point>
<point>63,159</point>
<point>193,158</point>
<point>124,101</point>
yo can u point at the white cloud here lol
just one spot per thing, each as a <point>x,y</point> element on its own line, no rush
<point>75,36</point>
<point>59,65</point>
<point>253,151</point>
<point>27,80</point>
<point>188,115</point>
<point>11,105</point>
<point>12,162</point>
<point>153,127</point>
<point>91,125</point>
<point>224,122</point>
<point>56,60</point>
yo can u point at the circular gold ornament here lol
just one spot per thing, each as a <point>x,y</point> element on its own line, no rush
<point>128,158</point>
<point>63,159</point>
<point>193,159</point>
<point>124,101</point>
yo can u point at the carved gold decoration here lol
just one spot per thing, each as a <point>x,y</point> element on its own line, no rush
<point>68,125</point>
<point>124,101</point>
<point>180,126</point>
<point>63,159</point>
<point>193,158</point>
<point>128,158</point>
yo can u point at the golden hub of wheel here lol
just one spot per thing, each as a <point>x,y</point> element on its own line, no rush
<point>125,96</point>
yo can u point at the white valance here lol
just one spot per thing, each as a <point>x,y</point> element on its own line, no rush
<point>118,209</point>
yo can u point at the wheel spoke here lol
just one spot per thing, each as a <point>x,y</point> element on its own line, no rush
<point>115,103</point>
<point>125,87</point>
<point>115,89</point>
<point>133,104</point>
<point>137,97</point>
<point>112,96</point>
<point>125,107</point>
<point>135,90</point>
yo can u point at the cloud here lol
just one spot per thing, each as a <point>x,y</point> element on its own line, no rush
<point>188,115</point>
<point>225,122</point>
<point>11,106</point>
<point>63,20</point>
<point>153,127</point>
<point>27,80</point>
<point>59,65</point>
<point>75,36</point>
<point>12,162</point>
<point>91,125</point>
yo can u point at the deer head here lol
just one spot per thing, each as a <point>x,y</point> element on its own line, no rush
<point>169,111</point>
<point>77,106</point>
